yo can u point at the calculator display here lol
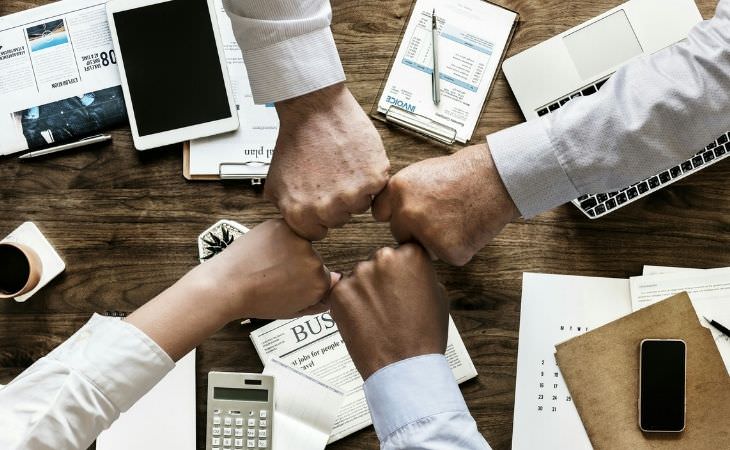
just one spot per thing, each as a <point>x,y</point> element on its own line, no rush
<point>246,395</point>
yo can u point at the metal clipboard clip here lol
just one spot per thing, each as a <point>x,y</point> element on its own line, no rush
<point>420,124</point>
<point>255,171</point>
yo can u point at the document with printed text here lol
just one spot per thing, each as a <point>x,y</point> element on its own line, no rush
<point>556,308</point>
<point>709,291</point>
<point>313,345</point>
<point>473,35</point>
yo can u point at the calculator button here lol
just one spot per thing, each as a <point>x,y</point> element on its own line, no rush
<point>262,414</point>
<point>216,431</point>
<point>251,413</point>
<point>227,421</point>
<point>250,443</point>
<point>227,431</point>
<point>239,432</point>
<point>262,443</point>
<point>216,441</point>
<point>251,432</point>
<point>226,442</point>
<point>216,420</point>
<point>262,433</point>
<point>239,421</point>
<point>251,422</point>
<point>263,423</point>
<point>238,443</point>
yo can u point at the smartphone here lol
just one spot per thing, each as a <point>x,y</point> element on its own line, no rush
<point>662,385</point>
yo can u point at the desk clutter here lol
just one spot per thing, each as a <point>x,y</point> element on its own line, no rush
<point>585,395</point>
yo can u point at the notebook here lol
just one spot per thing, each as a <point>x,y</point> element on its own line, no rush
<point>601,368</point>
<point>163,419</point>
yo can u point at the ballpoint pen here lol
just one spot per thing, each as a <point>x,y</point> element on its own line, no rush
<point>434,50</point>
<point>719,327</point>
<point>83,142</point>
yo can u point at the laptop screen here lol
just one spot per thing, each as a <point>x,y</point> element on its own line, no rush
<point>602,45</point>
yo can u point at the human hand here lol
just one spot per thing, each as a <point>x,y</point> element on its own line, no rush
<point>453,205</point>
<point>391,308</point>
<point>268,273</point>
<point>328,163</point>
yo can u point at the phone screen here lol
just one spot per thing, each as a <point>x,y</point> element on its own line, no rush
<point>662,388</point>
<point>173,68</point>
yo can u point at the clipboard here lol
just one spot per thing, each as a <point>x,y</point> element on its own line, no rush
<point>253,171</point>
<point>421,125</point>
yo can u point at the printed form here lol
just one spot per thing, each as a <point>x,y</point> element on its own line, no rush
<point>473,35</point>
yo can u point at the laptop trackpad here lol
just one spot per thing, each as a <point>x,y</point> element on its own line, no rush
<point>602,45</point>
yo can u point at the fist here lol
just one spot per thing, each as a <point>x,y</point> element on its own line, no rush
<point>328,164</point>
<point>391,308</point>
<point>269,273</point>
<point>453,205</point>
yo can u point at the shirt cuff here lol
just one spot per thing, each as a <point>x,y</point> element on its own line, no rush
<point>410,390</point>
<point>294,67</point>
<point>530,169</point>
<point>118,358</point>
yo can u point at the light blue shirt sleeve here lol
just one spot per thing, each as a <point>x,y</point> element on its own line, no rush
<point>416,404</point>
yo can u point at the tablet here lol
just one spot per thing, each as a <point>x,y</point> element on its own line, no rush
<point>173,72</point>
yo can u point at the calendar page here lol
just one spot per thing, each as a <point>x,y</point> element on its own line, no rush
<point>556,308</point>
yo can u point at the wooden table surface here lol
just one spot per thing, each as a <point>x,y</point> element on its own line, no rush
<point>126,224</point>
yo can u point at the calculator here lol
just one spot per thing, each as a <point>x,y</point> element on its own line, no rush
<point>240,411</point>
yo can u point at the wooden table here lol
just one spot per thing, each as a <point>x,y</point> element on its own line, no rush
<point>126,224</point>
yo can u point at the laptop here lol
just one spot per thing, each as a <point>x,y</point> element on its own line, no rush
<point>579,61</point>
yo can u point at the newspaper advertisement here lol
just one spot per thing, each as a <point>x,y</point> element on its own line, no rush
<point>59,81</point>
<point>248,150</point>
<point>313,345</point>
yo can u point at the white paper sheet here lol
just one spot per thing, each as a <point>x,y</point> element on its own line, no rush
<point>658,270</point>
<point>305,409</point>
<point>709,290</point>
<point>472,38</point>
<point>163,419</point>
<point>556,308</point>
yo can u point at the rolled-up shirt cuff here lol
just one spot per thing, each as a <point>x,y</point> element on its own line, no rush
<point>410,390</point>
<point>530,169</point>
<point>118,358</point>
<point>294,67</point>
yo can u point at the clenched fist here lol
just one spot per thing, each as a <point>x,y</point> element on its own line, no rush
<point>453,205</point>
<point>391,308</point>
<point>328,163</point>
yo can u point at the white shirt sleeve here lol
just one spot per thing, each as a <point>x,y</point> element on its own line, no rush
<point>652,114</point>
<point>68,397</point>
<point>416,404</point>
<point>287,46</point>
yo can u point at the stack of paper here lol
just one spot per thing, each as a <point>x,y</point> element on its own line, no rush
<point>556,308</point>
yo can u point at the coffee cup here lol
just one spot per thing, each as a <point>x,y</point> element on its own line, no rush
<point>20,269</point>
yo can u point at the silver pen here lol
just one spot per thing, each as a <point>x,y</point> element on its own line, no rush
<point>83,142</point>
<point>435,50</point>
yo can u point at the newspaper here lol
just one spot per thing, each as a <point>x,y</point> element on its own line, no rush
<point>59,80</point>
<point>313,345</point>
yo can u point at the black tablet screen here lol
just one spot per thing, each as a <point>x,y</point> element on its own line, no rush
<point>173,70</point>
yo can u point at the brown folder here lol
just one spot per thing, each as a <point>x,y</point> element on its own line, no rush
<point>601,370</point>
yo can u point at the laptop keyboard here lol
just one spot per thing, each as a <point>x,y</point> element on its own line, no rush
<point>597,205</point>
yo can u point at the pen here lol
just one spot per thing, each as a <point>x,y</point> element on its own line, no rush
<point>435,50</point>
<point>719,327</point>
<point>83,142</point>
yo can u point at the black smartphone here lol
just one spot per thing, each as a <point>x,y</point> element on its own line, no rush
<point>662,383</point>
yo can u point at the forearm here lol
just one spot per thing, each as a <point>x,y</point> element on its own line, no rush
<point>416,404</point>
<point>185,314</point>
<point>287,46</point>
<point>652,114</point>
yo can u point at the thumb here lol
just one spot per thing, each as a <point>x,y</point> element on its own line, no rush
<point>382,208</point>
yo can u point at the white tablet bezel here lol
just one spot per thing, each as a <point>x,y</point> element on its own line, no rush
<point>179,134</point>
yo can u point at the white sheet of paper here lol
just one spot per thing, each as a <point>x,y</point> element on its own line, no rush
<point>658,270</point>
<point>472,37</point>
<point>556,308</point>
<point>708,289</point>
<point>305,409</point>
<point>163,419</point>
<point>255,138</point>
